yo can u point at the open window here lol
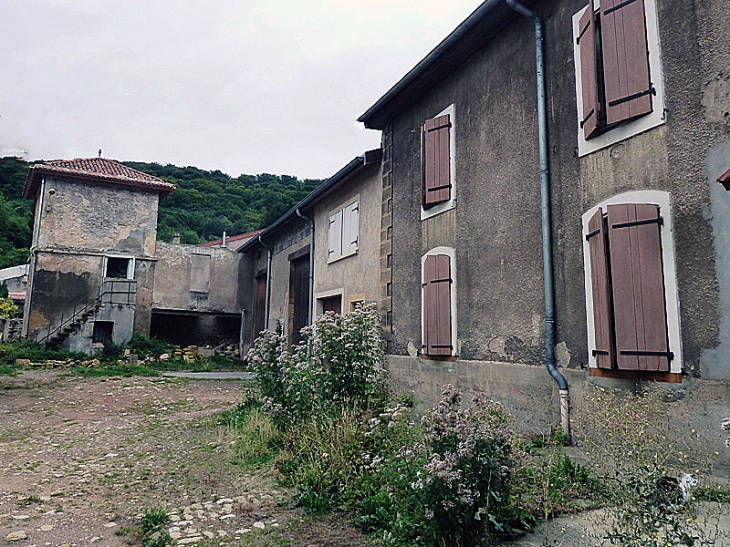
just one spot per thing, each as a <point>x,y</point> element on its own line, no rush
<point>438,184</point>
<point>631,291</point>
<point>618,72</point>
<point>118,267</point>
<point>438,322</point>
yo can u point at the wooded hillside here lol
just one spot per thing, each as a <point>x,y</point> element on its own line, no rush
<point>204,205</point>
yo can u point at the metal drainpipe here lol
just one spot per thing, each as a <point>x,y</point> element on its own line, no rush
<point>33,259</point>
<point>311,262</point>
<point>267,304</point>
<point>547,245</point>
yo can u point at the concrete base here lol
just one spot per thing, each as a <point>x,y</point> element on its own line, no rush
<point>531,396</point>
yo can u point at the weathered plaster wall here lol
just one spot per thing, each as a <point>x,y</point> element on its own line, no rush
<point>356,274</point>
<point>280,269</point>
<point>174,278</point>
<point>98,217</point>
<point>534,403</point>
<point>495,227</point>
<point>144,275</point>
<point>61,282</point>
<point>15,277</point>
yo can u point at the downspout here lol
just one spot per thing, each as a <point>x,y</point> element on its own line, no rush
<point>268,282</point>
<point>311,262</point>
<point>33,259</point>
<point>547,245</point>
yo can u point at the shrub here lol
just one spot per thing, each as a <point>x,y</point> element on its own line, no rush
<point>8,310</point>
<point>13,350</point>
<point>465,486</point>
<point>338,367</point>
<point>640,445</point>
<point>144,347</point>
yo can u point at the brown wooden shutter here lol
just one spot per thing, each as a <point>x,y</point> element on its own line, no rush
<point>638,287</point>
<point>601,291</point>
<point>589,72</point>
<point>437,305</point>
<point>625,60</point>
<point>436,161</point>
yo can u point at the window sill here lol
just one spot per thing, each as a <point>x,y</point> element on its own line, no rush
<point>668,377</point>
<point>437,209</point>
<point>333,260</point>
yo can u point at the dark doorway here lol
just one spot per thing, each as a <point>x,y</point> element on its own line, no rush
<point>174,328</point>
<point>332,303</point>
<point>102,332</point>
<point>258,318</point>
<point>298,297</point>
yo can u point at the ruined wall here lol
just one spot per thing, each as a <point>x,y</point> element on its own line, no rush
<point>61,283</point>
<point>190,277</point>
<point>98,217</point>
<point>355,276</point>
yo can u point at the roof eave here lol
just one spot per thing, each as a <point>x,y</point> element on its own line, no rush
<point>368,159</point>
<point>33,182</point>
<point>472,34</point>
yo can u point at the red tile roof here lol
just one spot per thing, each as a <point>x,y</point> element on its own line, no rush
<point>96,169</point>
<point>245,237</point>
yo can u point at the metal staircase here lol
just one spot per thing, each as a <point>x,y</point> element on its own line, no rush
<point>67,326</point>
<point>121,292</point>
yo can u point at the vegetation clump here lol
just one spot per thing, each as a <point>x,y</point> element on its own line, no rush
<point>651,460</point>
<point>345,442</point>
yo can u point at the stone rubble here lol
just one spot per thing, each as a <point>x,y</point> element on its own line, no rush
<point>188,354</point>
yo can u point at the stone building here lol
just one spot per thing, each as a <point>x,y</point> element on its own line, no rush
<point>98,273</point>
<point>558,204</point>
<point>93,252</point>
<point>296,276</point>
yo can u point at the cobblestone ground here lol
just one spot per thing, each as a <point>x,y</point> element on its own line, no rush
<point>81,459</point>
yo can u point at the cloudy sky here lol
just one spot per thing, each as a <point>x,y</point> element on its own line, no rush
<point>245,86</point>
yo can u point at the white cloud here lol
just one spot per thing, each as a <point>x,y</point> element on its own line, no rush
<point>243,86</point>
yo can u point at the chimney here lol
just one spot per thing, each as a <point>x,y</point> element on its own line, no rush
<point>176,238</point>
<point>223,244</point>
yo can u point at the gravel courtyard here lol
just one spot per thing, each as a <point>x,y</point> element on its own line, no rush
<point>81,459</point>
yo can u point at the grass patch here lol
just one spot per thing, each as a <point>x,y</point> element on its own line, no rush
<point>8,370</point>
<point>712,494</point>
<point>126,371</point>
<point>257,440</point>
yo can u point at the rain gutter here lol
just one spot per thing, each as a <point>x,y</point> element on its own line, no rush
<point>268,281</point>
<point>547,246</point>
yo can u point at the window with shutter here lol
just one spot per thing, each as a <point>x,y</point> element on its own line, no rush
<point>438,321</point>
<point>618,71</point>
<point>335,236</point>
<point>436,161</point>
<point>629,308</point>
<point>344,232</point>
<point>437,185</point>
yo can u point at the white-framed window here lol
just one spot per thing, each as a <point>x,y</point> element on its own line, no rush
<point>618,72</point>
<point>118,267</point>
<point>438,303</point>
<point>344,231</point>
<point>632,303</point>
<point>438,154</point>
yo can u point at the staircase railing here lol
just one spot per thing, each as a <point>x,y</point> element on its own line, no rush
<point>110,289</point>
<point>70,320</point>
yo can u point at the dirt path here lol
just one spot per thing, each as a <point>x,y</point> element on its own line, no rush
<point>81,459</point>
